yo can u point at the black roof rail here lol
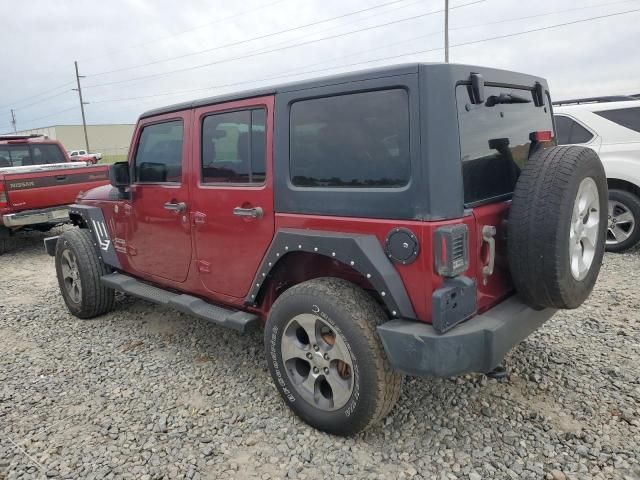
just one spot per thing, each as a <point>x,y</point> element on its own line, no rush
<point>21,137</point>
<point>610,98</point>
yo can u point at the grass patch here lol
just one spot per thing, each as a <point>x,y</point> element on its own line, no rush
<point>113,158</point>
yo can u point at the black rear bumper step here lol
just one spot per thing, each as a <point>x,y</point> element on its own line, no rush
<point>235,319</point>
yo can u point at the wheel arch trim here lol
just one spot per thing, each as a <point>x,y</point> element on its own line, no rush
<point>361,252</point>
<point>93,220</point>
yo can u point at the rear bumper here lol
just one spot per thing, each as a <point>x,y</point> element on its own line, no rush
<point>478,345</point>
<point>33,217</point>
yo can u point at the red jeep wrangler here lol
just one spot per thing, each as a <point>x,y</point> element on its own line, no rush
<point>413,219</point>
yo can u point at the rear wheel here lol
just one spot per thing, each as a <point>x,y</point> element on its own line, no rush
<point>79,269</point>
<point>557,226</point>
<point>623,231</point>
<point>326,359</point>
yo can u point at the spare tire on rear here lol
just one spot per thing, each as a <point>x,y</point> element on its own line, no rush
<point>557,227</point>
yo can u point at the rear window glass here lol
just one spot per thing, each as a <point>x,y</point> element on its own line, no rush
<point>355,140</point>
<point>627,117</point>
<point>42,154</point>
<point>159,155</point>
<point>27,155</point>
<point>569,131</point>
<point>495,139</point>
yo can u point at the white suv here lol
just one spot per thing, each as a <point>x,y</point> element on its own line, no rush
<point>611,127</point>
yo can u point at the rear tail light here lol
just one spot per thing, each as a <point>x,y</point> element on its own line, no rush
<point>541,136</point>
<point>3,196</point>
<point>451,250</point>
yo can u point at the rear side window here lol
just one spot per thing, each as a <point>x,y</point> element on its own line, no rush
<point>495,139</point>
<point>627,117</point>
<point>355,140</point>
<point>14,156</point>
<point>44,154</point>
<point>159,155</point>
<point>569,131</point>
<point>233,147</point>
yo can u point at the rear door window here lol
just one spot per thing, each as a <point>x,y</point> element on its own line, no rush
<point>627,117</point>
<point>569,131</point>
<point>357,140</point>
<point>159,154</point>
<point>233,147</point>
<point>495,139</point>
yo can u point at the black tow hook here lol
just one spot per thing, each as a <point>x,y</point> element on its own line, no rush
<point>498,373</point>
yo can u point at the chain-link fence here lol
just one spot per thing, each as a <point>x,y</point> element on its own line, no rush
<point>112,155</point>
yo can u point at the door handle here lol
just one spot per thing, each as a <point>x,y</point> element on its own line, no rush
<point>488,232</point>
<point>177,207</point>
<point>61,178</point>
<point>255,212</point>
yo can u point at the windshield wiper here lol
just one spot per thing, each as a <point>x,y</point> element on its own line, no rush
<point>505,98</point>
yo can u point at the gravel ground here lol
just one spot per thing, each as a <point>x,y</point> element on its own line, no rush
<point>146,392</point>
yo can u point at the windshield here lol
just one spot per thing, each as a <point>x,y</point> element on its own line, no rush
<point>495,139</point>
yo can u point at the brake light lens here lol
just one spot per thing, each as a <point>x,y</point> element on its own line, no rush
<point>451,250</point>
<point>542,136</point>
<point>3,196</point>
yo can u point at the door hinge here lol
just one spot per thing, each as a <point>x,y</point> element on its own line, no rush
<point>203,266</point>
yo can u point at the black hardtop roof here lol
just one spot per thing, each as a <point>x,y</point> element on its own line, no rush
<point>505,76</point>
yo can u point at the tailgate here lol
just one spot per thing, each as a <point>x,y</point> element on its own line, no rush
<point>33,190</point>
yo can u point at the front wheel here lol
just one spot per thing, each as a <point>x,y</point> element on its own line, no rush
<point>326,359</point>
<point>623,231</point>
<point>79,269</point>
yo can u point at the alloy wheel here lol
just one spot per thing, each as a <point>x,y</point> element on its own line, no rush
<point>318,362</point>
<point>71,276</point>
<point>621,223</point>
<point>583,233</point>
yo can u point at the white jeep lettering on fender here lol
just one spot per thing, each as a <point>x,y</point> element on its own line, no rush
<point>100,230</point>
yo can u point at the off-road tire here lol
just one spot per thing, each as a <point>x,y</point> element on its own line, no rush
<point>95,298</point>
<point>4,245</point>
<point>632,202</point>
<point>354,315</point>
<point>539,223</point>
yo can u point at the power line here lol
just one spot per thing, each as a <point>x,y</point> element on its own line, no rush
<point>240,42</point>
<point>607,4</point>
<point>43,100</point>
<point>49,115</point>
<point>36,95</point>
<point>188,30</point>
<point>389,57</point>
<point>254,54</point>
<point>342,25</point>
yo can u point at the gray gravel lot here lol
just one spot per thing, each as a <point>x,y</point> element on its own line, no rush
<point>146,392</point>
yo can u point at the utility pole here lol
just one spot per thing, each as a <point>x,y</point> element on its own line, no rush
<point>13,121</point>
<point>82,104</point>
<point>446,31</point>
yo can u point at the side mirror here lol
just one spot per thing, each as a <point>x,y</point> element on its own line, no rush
<point>119,177</point>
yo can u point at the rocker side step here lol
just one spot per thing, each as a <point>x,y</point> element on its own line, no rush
<point>235,319</point>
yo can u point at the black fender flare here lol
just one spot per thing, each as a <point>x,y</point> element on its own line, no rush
<point>361,252</point>
<point>93,220</point>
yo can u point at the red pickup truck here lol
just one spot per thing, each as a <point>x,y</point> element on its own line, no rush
<point>37,182</point>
